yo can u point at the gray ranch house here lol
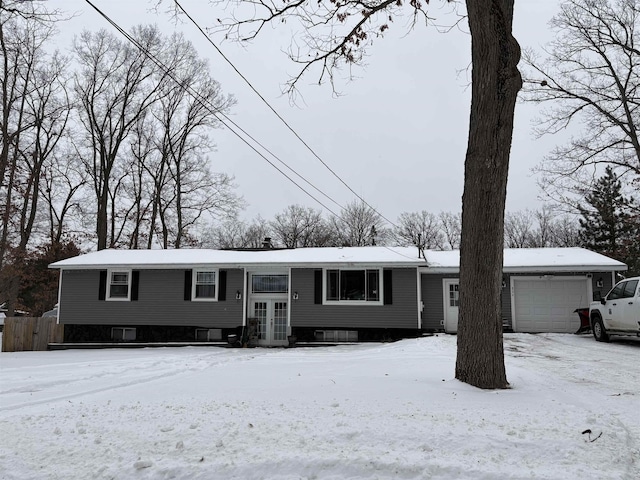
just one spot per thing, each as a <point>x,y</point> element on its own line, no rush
<point>314,294</point>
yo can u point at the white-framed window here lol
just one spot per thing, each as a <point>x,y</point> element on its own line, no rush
<point>205,285</point>
<point>269,283</point>
<point>118,285</point>
<point>353,286</point>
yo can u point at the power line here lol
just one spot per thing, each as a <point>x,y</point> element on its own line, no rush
<point>276,113</point>
<point>217,114</point>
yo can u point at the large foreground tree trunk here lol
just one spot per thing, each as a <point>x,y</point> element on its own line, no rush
<point>495,85</point>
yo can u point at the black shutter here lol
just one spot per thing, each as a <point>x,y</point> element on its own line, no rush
<point>317,275</point>
<point>222,285</point>
<point>135,280</point>
<point>388,287</point>
<point>102,287</point>
<point>187,285</point>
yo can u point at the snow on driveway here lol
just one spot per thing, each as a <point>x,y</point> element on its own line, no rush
<point>375,411</point>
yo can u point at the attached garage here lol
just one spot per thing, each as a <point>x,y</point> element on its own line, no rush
<point>548,303</point>
<point>541,288</point>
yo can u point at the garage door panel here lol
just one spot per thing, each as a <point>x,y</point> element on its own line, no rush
<point>548,305</point>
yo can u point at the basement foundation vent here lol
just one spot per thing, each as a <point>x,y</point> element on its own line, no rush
<point>336,335</point>
<point>123,334</point>
<point>208,334</point>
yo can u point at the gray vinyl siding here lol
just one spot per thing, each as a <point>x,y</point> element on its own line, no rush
<point>402,313</point>
<point>432,294</point>
<point>160,302</point>
<point>432,301</point>
<point>607,283</point>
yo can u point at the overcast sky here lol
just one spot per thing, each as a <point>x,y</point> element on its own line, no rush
<point>397,135</point>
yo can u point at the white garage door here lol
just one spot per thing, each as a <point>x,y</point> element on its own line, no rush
<point>548,304</point>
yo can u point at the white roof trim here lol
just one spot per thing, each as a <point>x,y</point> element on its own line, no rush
<point>516,260</point>
<point>326,257</point>
<point>531,260</point>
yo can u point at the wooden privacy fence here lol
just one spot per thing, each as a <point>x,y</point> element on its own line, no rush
<point>30,333</point>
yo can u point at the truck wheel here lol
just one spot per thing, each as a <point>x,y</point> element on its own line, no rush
<point>599,333</point>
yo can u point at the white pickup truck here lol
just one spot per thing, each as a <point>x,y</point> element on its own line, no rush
<point>618,313</point>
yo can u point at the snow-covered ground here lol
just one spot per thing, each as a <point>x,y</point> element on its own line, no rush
<point>387,411</point>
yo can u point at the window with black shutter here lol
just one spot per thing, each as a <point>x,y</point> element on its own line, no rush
<point>388,287</point>
<point>102,285</point>
<point>188,274</point>
<point>317,288</point>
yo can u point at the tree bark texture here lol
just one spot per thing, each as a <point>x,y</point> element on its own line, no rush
<point>495,85</point>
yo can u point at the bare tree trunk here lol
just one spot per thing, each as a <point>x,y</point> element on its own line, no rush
<point>101,217</point>
<point>155,206</point>
<point>178,180</point>
<point>495,85</point>
<point>115,87</point>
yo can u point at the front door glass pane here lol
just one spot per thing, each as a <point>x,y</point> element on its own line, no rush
<point>280,321</point>
<point>260,314</point>
<point>454,296</point>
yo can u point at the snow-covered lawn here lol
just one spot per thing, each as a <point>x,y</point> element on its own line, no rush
<point>391,411</point>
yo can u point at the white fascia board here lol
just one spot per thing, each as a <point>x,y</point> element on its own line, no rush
<point>142,266</point>
<point>566,268</point>
<point>536,269</point>
<point>332,265</point>
<point>428,270</point>
<point>261,266</point>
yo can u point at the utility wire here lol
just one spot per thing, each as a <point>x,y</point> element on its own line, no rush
<point>213,111</point>
<point>277,114</point>
<point>217,114</point>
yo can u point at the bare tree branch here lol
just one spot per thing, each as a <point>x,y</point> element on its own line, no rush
<point>590,76</point>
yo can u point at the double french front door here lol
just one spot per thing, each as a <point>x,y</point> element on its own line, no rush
<point>271,317</point>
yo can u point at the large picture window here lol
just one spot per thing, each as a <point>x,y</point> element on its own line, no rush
<point>204,284</point>
<point>119,286</point>
<point>353,286</point>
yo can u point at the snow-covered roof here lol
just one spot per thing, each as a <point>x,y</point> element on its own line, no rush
<point>383,256</point>
<point>515,259</point>
<point>572,259</point>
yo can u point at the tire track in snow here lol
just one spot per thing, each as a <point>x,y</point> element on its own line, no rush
<point>148,374</point>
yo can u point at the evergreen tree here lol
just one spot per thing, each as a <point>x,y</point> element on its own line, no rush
<point>610,225</point>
